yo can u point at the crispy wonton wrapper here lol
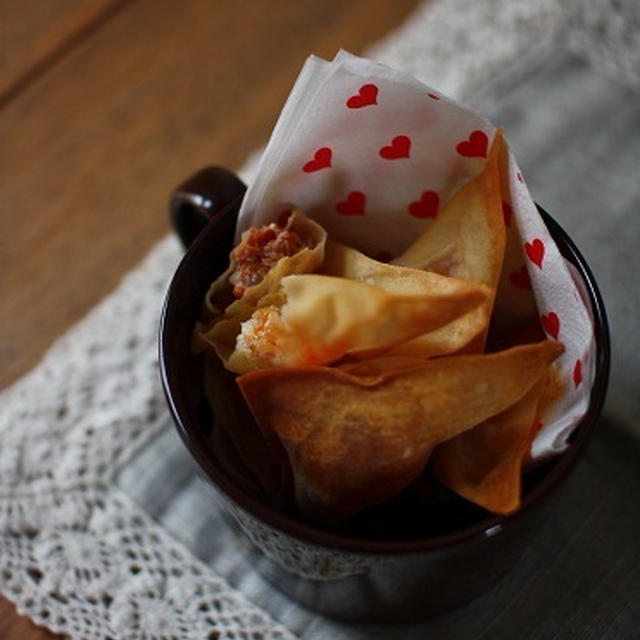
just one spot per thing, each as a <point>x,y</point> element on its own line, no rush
<point>353,444</point>
<point>466,240</point>
<point>323,318</point>
<point>222,315</point>
<point>484,465</point>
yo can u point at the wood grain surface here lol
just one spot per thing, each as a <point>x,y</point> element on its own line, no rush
<point>34,35</point>
<point>105,106</point>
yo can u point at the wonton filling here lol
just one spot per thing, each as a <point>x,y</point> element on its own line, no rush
<point>259,251</point>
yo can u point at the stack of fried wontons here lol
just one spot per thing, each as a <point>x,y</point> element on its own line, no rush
<point>367,371</point>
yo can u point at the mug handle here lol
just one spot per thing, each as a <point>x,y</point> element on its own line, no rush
<point>201,198</point>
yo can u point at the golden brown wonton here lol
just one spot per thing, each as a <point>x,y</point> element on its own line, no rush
<point>357,440</point>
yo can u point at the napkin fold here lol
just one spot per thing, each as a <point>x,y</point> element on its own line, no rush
<point>372,154</point>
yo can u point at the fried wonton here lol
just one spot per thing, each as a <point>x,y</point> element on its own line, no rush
<point>357,440</point>
<point>222,315</point>
<point>466,240</point>
<point>323,318</point>
<point>484,464</point>
<point>346,262</point>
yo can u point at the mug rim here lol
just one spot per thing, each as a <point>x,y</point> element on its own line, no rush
<point>194,438</point>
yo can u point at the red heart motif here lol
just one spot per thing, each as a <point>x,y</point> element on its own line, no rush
<point>353,205</point>
<point>520,278</point>
<point>427,206</point>
<point>321,159</point>
<point>475,146</point>
<point>367,95</point>
<point>434,96</point>
<point>551,324</point>
<point>535,251</point>
<point>399,148</point>
<point>507,212</point>
<point>577,373</point>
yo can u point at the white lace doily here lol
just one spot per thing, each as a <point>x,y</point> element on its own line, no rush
<point>76,554</point>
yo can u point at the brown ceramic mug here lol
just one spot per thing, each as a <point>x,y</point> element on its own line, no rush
<point>400,561</point>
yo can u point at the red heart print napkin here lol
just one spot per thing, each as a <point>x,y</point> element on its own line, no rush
<point>372,153</point>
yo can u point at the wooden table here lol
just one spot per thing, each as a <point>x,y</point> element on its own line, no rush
<point>104,107</point>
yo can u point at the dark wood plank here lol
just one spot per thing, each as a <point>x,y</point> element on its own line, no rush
<point>91,150</point>
<point>33,35</point>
